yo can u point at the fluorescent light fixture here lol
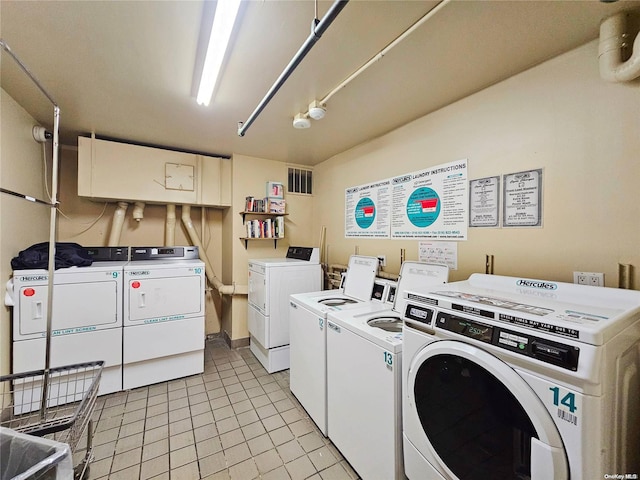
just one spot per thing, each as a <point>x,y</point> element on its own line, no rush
<point>223,21</point>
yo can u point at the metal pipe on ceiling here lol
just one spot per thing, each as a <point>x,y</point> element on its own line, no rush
<point>386,49</point>
<point>317,29</point>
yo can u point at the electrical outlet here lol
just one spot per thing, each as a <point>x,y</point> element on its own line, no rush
<point>382,260</point>
<point>580,278</point>
<point>589,278</point>
<point>596,279</point>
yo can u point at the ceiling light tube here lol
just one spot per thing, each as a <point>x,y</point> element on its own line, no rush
<point>223,21</point>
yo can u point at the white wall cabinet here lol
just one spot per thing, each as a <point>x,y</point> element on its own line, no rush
<point>113,171</point>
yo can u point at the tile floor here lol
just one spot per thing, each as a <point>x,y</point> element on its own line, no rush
<point>235,421</point>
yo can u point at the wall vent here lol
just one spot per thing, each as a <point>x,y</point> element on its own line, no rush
<point>300,180</point>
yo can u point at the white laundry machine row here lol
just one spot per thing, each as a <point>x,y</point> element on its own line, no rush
<point>364,378</point>
<point>517,378</point>
<point>307,327</point>
<point>86,322</point>
<point>271,282</point>
<point>164,332</point>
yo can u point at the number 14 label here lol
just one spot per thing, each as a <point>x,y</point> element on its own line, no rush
<point>568,400</point>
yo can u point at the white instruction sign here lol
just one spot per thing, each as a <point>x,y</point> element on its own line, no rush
<point>367,210</point>
<point>442,253</point>
<point>522,197</point>
<point>484,202</point>
<point>431,203</point>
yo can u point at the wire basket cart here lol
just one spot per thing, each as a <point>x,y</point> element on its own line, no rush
<point>66,415</point>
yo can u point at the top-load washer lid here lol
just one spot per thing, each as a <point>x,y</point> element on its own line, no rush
<point>360,277</point>
<point>418,277</point>
<point>388,323</point>
<point>337,301</point>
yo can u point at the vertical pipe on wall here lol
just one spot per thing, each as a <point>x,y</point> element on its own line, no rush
<point>170,227</point>
<point>625,275</point>
<point>488,264</point>
<point>116,225</point>
<point>52,259</point>
<point>211,277</point>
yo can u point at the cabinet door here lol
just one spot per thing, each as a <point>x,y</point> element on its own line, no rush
<point>116,170</point>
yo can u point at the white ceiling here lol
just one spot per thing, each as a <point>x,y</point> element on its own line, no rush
<point>124,69</point>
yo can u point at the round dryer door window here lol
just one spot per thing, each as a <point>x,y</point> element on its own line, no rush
<point>480,418</point>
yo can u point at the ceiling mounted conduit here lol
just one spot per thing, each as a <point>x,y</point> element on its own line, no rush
<point>317,29</point>
<point>321,104</point>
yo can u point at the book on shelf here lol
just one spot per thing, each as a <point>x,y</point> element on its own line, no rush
<point>276,205</point>
<point>258,205</point>
<point>268,228</point>
<point>279,227</point>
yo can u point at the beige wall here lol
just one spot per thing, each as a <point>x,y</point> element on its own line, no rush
<point>22,223</point>
<point>558,116</point>
<point>250,176</point>
<point>89,223</point>
<point>561,117</point>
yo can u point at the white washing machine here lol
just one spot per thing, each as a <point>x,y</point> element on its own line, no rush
<point>271,281</point>
<point>364,378</point>
<point>307,316</point>
<point>163,335</point>
<point>516,378</point>
<point>87,316</point>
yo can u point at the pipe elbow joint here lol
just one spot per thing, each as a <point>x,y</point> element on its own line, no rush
<point>138,211</point>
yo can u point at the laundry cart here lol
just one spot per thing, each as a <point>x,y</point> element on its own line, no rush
<point>64,417</point>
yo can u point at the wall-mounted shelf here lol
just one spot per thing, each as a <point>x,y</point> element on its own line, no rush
<point>246,240</point>
<point>259,215</point>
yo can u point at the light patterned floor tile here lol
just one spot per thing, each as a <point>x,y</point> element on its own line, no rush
<point>234,422</point>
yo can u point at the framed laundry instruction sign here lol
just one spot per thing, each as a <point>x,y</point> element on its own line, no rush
<point>431,203</point>
<point>367,210</point>
<point>522,199</point>
<point>484,202</point>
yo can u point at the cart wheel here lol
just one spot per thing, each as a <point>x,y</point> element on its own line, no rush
<point>81,471</point>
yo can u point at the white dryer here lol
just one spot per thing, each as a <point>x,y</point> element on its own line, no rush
<point>307,316</point>
<point>364,378</point>
<point>163,335</point>
<point>508,377</point>
<point>271,282</point>
<point>87,316</point>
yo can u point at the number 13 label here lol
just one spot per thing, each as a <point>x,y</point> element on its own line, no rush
<point>388,359</point>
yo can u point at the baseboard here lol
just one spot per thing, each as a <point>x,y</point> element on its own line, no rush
<point>237,343</point>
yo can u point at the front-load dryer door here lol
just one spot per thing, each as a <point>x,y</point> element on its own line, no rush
<point>154,300</point>
<point>473,417</point>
